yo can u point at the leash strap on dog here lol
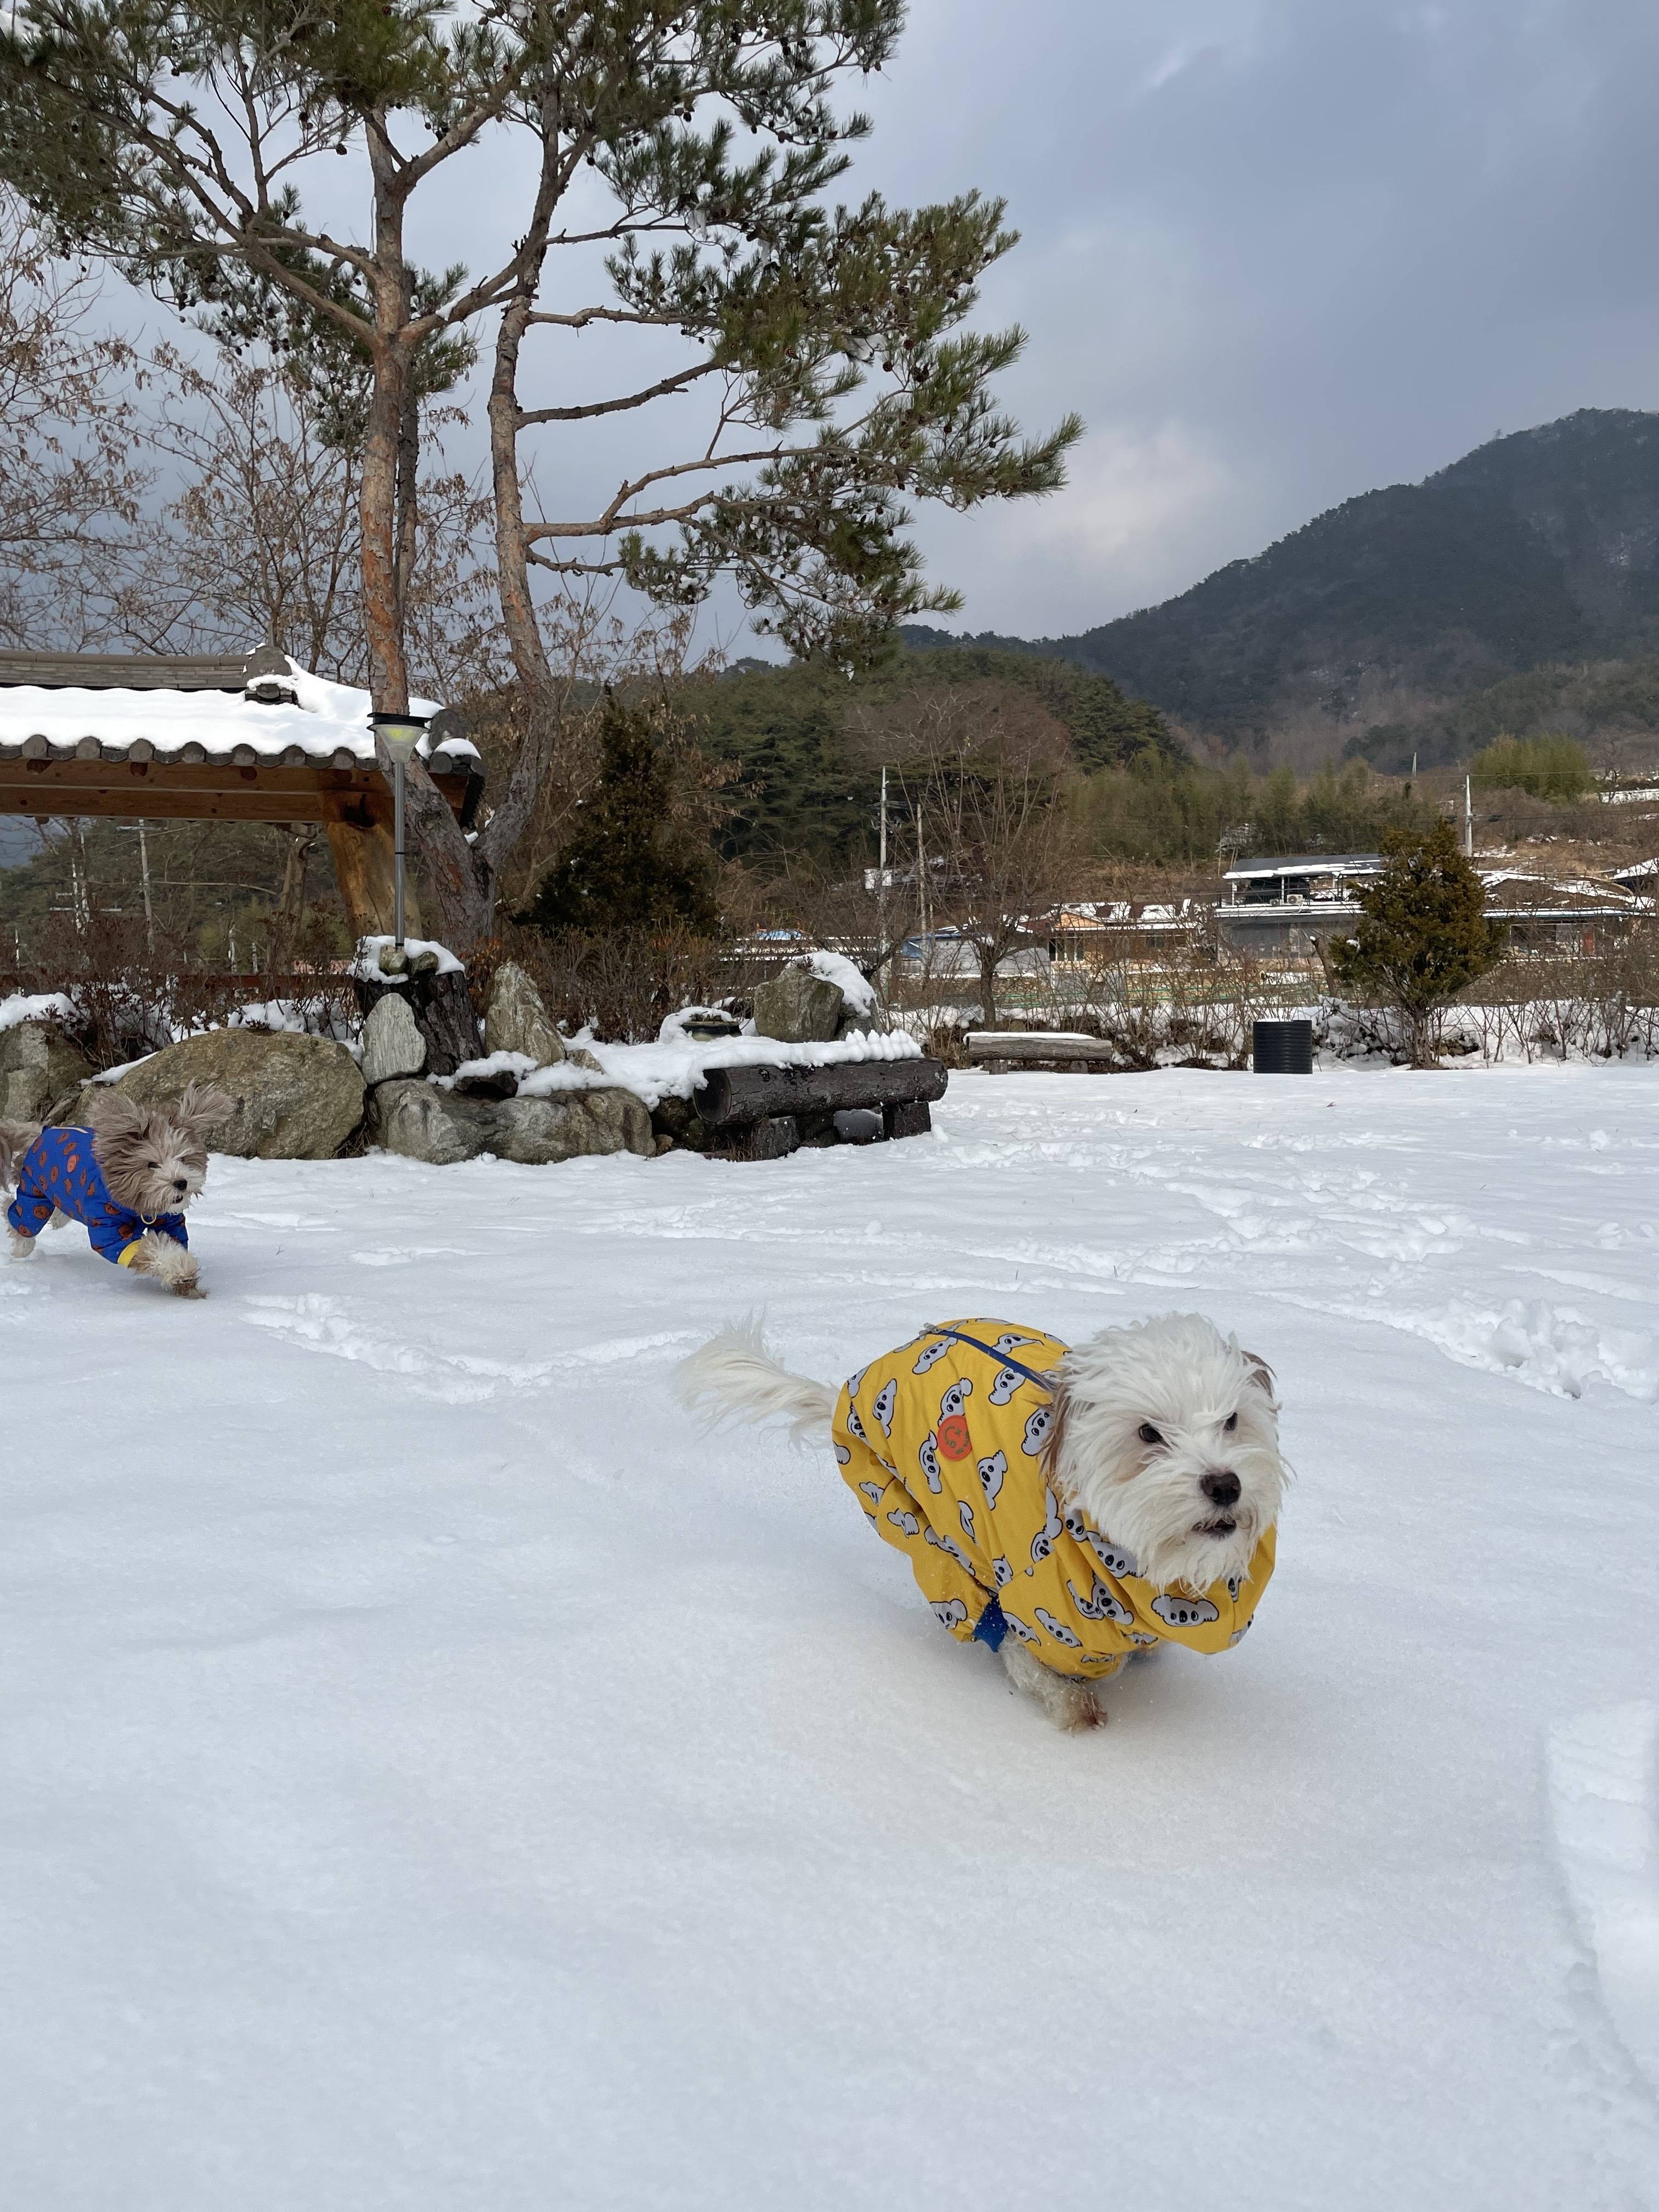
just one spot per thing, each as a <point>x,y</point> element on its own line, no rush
<point>1005,1358</point>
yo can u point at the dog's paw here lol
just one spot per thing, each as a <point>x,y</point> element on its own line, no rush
<point>187,1287</point>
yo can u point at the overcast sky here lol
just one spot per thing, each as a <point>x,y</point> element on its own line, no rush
<point>1276,253</point>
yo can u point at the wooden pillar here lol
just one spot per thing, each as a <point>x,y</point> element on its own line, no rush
<point>359,838</point>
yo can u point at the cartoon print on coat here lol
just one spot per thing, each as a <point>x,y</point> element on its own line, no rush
<point>950,1612</point>
<point>1112,1557</point>
<point>1058,1629</point>
<point>1234,1586</point>
<point>1239,1634</point>
<point>1003,1571</point>
<point>1100,1604</point>
<point>1139,1636</point>
<point>854,1426</point>
<point>1010,1341</point>
<point>1043,1543</point>
<point>1027,1635</point>
<point>991,1472</point>
<point>931,1357</point>
<point>929,1458</point>
<point>1008,1381</point>
<point>947,1543</point>
<point>965,1516</point>
<point>885,1402</point>
<point>855,1382</point>
<point>955,1398</point>
<point>1037,1429</point>
<point>843,1456</point>
<point>907,1523</point>
<point>1184,1612</point>
<point>871,1491</point>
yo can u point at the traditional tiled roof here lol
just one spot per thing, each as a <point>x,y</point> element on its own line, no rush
<point>247,710</point>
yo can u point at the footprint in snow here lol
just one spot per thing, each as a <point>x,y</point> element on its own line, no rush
<point>1604,1801</point>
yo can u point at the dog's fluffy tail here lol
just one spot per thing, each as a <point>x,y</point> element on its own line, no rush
<point>16,1139</point>
<point>735,1378</point>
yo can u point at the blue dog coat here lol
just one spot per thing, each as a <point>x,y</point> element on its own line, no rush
<point>59,1173</point>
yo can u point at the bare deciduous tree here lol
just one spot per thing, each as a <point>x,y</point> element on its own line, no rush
<point>983,771</point>
<point>70,492</point>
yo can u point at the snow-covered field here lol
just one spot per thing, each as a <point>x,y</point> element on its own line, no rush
<point>432,1775</point>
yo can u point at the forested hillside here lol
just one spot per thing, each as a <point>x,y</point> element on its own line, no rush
<point>1538,548</point>
<point>806,769</point>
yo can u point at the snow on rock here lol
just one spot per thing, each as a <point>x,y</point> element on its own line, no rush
<point>366,967</point>
<point>42,1006</point>
<point>495,1063</point>
<point>429,1765</point>
<point>855,988</point>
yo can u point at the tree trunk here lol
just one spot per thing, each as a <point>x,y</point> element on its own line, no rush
<point>987,985</point>
<point>387,517</point>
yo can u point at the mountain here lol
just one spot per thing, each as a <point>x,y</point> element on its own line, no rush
<point>1542,547</point>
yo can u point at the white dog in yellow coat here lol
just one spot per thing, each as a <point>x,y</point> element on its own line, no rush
<point>1067,1507</point>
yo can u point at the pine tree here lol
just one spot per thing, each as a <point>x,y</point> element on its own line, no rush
<point>627,867</point>
<point>1425,936</point>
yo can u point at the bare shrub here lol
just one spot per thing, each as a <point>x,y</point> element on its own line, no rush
<point>130,991</point>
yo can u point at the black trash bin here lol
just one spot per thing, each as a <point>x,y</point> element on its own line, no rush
<point>1282,1048</point>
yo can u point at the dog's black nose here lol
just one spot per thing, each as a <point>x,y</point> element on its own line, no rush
<point>181,1188</point>
<point>1221,1489</point>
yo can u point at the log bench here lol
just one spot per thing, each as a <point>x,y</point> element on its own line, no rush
<point>764,1113</point>
<point>1066,1051</point>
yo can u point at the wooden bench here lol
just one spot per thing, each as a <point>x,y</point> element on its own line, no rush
<point>1066,1051</point>
<point>764,1113</point>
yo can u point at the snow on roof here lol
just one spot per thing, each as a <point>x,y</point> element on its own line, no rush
<point>1306,864</point>
<point>323,724</point>
<point>1569,887</point>
<point>1640,868</point>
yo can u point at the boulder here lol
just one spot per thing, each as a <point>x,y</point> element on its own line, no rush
<point>297,1097</point>
<point>392,1044</point>
<point>517,1019</point>
<point>799,1007</point>
<point>39,1067</point>
<point>441,1127</point>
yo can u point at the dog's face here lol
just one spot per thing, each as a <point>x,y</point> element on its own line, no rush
<point>1167,1435</point>
<point>155,1159</point>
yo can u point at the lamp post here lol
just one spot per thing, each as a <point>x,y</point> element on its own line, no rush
<point>399,734</point>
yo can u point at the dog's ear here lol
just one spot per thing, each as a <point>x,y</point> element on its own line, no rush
<point>16,1139</point>
<point>201,1109</point>
<point>1259,1373</point>
<point>112,1114</point>
<point>1049,1459</point>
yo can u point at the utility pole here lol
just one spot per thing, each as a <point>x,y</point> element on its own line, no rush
<point>881,880</point>
<point>144,877</point>
<point>922,883</point>
<point>1468,821</point>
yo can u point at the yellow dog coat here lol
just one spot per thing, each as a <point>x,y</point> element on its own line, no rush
<point>941,1442</point>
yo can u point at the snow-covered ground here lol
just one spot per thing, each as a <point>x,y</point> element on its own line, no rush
<point>432,1775</point>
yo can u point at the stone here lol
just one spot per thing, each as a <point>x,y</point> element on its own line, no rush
<point>424,963</point>
<point>391,959</point>
<point>575,1122</point>
<point>580,1056</point>
<point>39,1068</point>
<point>799,1007</point>
<point>424,1123</point>
<point>296,1098</point>
<point>517,1019</point>
<point>442,1008</point>
<point>392,1044</point>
